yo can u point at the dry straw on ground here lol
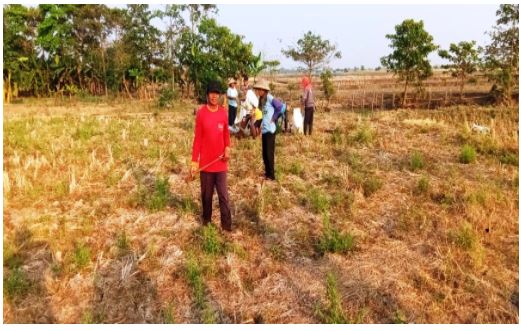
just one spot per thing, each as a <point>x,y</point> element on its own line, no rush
<point>100,226</point>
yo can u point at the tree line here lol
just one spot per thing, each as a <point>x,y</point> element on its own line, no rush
<point>411,45</point>
<point>95,49</point>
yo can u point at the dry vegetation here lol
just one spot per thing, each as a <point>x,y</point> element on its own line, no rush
<point>380,90</point>
<point>373,219</point>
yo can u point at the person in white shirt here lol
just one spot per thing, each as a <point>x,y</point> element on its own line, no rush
<point>250,115</point>
<point>233,101</point>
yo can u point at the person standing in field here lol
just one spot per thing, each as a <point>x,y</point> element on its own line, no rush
<point>244,88</point>
<point>308,103</point>
<point>254,116</point>
<point>271,108</point>
<point>233,101</point>
<point>210,153</point>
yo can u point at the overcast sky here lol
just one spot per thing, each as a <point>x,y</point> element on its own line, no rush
<point>358,30</point>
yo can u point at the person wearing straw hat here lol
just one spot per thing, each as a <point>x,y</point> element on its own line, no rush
<point>233,101</point>
<point>210,154</point>
<point>271,109</point>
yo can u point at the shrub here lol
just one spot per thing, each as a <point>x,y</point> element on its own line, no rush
<point>194,276</point>
<point>154,197</point>
<point>333,312</point>
<point>371,185</point>
<point>364,135</point>
<point>319,201</point>
<point>122,242</point>
<point>464,237</point>
<point>467,154</point>
<point>211,243</point>
<point>327,85</point>
<point>336,136</point>
<point>16,283</point>
<point>416,161</point>
<point>296,169</point>
<point>166,97</point>
<point>423,185</point>
<point>81,255</point>
<point>509,158</point>
<point>333,240</point>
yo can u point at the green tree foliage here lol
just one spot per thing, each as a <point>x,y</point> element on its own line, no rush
<point>256,66</point>
<point>272,67</point>
<point>141,42</point>
<point>214,53</point>
<point>95,49</point>
<point>502,55</point>
<point>411,45</point>
<point>312,51</point>
<point>56,43</point>
<point>464,58</point>
<point>174,22</point>
<point>20,61</point>
<point>327,85</point>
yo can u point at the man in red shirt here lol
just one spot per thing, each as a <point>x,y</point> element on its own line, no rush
<point>210,153</point>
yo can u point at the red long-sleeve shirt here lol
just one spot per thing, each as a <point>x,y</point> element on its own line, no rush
<point>211,138</point>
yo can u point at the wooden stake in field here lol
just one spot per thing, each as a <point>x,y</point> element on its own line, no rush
<point>363,98</point>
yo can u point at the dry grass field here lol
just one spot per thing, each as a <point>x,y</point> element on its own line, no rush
<point>404,216</point>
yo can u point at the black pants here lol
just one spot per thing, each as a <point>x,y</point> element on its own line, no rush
<point>209,181</point>
<point>308,119</point>
<point>268,154</point>
<point>232,113</point>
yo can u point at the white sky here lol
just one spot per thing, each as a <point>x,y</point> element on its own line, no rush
<point>358,30</point>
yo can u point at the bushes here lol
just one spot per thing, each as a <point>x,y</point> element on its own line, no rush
<point>371,185</point>
<point>364,135</point>
<point>509,158</point>
<point>194,277</point>
<point>16,283</point>
<point>81,255</point>
<point>332,312</point>
<point>423,185</point>
<point>333,240</point>
<point>318,201</point>
<point>154,197</point>
<point>467,154</point>
<point>336,137</point>
<point>464,237</point>
<point>416,161</point>
<point>166,97</point>
<point>211,243</point>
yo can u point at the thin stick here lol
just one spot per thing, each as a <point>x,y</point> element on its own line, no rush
<point>190,175</point>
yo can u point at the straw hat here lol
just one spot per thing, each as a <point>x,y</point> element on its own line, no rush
<point>262,85</point>
<point>232,81</point>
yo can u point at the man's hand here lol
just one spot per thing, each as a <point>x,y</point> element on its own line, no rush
<point>226,155</point>
<point>194,167</point>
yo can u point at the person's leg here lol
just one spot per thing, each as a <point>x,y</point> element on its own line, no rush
<point>224,202</point>
<point>270,154</point>
<point>265,153</point>
<point>232,113</point>
<point>306,119</point>
<point>311,113</point>
<point>207,185</point>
